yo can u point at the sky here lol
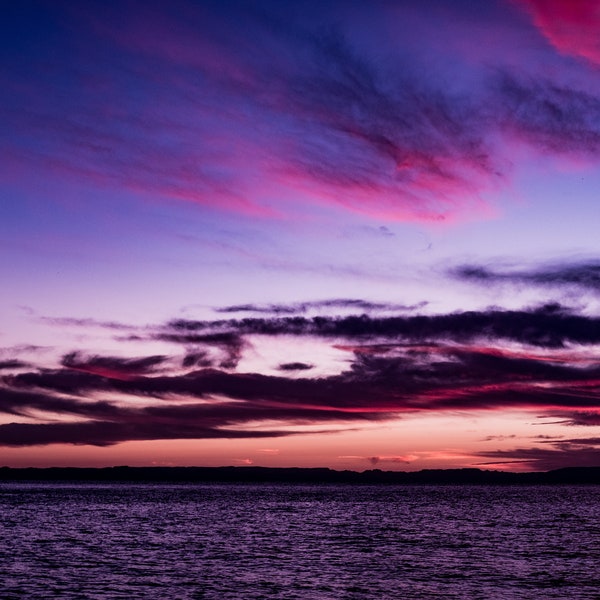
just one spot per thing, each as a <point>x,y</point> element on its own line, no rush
<point>345,234</point>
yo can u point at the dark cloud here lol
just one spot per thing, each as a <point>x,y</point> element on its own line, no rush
<point>12,364</point>
<point>303,307</point>
<point>106,433</point>
<point>230,343</point>
<point>547,326</point>
<point>22,402</point>
<point>111,366</point>
<point>405,379</point>
<point>584,275</point>
<point>197,359</point>
<point>582,453</point>
<point>591,441</point>
<point>108,423</point>
<point>586,418</point>
<point>395,365</point>
<point>261,308</point>
<point>67,381</point>
<point>374,460</point>
<point>295,366</point>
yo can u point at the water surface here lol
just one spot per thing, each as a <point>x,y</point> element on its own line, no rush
<point>226,542</point>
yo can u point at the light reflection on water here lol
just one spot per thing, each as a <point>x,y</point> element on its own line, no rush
<point>221,542</point>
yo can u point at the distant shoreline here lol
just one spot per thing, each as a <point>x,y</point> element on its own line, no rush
<point>569,475</point>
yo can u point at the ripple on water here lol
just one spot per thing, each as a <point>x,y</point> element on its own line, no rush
<point>229,542</point>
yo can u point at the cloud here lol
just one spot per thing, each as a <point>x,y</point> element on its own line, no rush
<point>553,118</point>
<point>86,323</point>
<point>373,232</point>
<point>593,441</point>
<point>407,379</point>
<point>548,326</point>
<point>584,275</point>
<point>566,453</point>
<point>111,366</point>
<point>374,460</point>
<point>22,401</point>
<point>585,418</point>
<point>240,113</point>
<point>11,364</point>
<point>183,102</point>
<point>249,399</point>
<point>382,133</point>
<point>295,366</point>
<point>106,433</point>
<point>540,360</point>
<point>197,359</point>
<point>571,27</point>
<point>230,343</point>
<point>303,307</point>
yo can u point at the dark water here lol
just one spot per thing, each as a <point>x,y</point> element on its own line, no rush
<point>273,541</point>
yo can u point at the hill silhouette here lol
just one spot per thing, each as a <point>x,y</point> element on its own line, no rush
<point>297,475</point>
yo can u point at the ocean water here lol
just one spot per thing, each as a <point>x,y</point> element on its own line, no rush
<point>221,542</point>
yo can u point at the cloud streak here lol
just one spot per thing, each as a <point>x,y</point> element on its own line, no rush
<point>548,326</point>
<point>584,275</point>
<point>112,367</point>
<point>351,304</point>
<point>551,117</point>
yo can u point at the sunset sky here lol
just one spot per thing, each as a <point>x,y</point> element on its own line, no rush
<point>353,234</point>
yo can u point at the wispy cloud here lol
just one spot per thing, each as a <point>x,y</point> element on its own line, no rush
<point>182,102</point>
<point>582,417</point>
<point>550,116</point>
<point>351,304</point>
<point>86,323</point>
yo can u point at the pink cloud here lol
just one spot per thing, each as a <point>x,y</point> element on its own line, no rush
<point>571,26</point>
<point>251,119</point>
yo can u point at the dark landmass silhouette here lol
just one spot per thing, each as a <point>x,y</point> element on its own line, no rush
<point>297,475</point>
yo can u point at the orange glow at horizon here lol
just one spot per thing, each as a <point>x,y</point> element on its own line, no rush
<point>412,443</point>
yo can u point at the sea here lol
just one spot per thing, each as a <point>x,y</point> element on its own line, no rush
<point>301,542</point>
